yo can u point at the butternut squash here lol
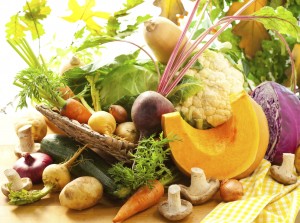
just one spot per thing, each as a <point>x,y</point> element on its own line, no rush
<point>231,150</point>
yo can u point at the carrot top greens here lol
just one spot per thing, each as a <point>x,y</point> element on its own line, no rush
<point>149,163</point>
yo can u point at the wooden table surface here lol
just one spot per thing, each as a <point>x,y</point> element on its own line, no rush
<point>49,210</point>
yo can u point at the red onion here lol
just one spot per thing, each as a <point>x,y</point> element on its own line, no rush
<point>32,165</point>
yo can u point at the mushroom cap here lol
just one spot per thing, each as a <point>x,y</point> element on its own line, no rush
<point>27,185</point>
<point>281,176</point>
<point>185,210</point>
<point>214,185</point>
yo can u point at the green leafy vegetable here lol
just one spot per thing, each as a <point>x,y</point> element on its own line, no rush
<point>280,20</point>
<point>187,87</point>
<point>149,163</point>
<point>130,75</point>
<point>39,87</point>
<point>269,63</point>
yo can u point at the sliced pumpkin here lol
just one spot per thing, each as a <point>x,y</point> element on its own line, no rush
<point>231,150</point>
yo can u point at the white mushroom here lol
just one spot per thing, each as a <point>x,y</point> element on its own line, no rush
<point>15,182</point>
<point>26,141</point>
<point>200,190</point>
<point>285,173</point>
<point>175,208</point>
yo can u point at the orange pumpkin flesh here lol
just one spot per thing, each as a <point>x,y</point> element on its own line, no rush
<point>226,151</point>
<point>263,140</point>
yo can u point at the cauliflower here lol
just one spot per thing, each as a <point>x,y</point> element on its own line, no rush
<point>211,107</point>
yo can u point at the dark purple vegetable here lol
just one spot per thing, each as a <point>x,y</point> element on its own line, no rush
<point>282,108</point>
<point>147,110</point>
<point>32,165</point>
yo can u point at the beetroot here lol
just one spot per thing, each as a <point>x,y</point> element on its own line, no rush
<point>147,110</point>
<point>282,108</point>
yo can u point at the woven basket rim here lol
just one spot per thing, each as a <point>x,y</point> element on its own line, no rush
<point>106,146</point>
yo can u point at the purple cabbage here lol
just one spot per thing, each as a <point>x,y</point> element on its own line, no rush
<point>282,109</point>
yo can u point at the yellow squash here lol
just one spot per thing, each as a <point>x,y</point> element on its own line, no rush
<point>231,150</point>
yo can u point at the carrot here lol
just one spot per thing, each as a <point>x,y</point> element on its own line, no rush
<point>145,197</point>
<point>66,92</point>
<point>73,109</point>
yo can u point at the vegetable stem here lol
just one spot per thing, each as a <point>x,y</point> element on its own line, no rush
<point>23,197</point>
<point>70,161</point>
<point>94,92</point>
<point>168,82</point>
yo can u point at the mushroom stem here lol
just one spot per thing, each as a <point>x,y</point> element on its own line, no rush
<point>199,184</point>
<point>25,138</point>
<point>200,189</point>
<point>174,199</point>
<point>288,162</point>
<point>13,178</point>
<point>175,208</point>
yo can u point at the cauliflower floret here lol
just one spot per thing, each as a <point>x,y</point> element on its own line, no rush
<point>211,107</point>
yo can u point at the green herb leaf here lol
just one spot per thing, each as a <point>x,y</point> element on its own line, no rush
<point>280,20</point>
<point>188,86</point>
<point>148,164</point>
<point>269,63</point>
<point>38,86</point>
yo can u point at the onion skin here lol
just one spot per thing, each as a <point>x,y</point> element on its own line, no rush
<point>147,111</point>
<point>231,190</point>
<point>282,109</point>
<point>119,113</point>
<point>32,165</point>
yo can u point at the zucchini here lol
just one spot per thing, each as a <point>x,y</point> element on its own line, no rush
<point>61,148</point>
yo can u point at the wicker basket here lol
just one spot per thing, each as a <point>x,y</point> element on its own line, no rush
<point>109,148</point>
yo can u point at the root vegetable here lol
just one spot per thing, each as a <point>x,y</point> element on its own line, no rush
<point>119,113</point>
<point>127,131</point>
<point>103,122</point>
<point>36,120</point>
<point>282,109</point>
<point>147,111</point>
<point>73,109</point>
<point>55,177</point>
<point>145,197</point>
<point>231,190</point>
<point>32,165</point>
<point>66,92</point>
<point>81,193</point>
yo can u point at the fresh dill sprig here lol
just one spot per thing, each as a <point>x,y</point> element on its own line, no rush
<point>149,163</point>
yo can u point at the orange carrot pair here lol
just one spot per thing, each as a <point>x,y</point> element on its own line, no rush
<point>144,198</point>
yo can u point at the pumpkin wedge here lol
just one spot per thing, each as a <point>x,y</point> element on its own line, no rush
<point>233,149</point>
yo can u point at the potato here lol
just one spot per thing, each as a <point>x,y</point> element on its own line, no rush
<point>34,118</point>
<point>81,193</point>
